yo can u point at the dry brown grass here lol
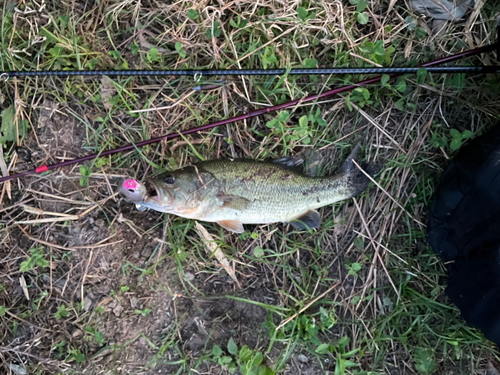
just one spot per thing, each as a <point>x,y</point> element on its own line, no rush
<point>109,263</point>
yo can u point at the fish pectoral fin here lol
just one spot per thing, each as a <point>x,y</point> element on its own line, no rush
<point>311,219</point>
<point>232,225</point>
<point>233,201</point>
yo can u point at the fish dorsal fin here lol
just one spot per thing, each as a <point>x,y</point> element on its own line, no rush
<point>233,201</point>
<point>348,164</point>
<point>311,219</point>
<point>232,225</point>
<point>291,163</point>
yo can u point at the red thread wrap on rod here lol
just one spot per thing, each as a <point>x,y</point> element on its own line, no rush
<point>248,115</point>
<point>42,169</point>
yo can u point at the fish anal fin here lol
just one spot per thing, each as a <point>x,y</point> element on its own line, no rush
<point>233,201</point>
<point>310,220</point>
<point>232,225</point>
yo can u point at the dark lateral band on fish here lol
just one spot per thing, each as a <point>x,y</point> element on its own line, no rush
<point>244,191</point>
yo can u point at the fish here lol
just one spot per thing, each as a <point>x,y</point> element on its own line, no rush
<point>234,192</point>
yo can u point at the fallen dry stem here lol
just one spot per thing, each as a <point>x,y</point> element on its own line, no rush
<point>283,323</point>
<point>213,249</point>
<point>386,193</point>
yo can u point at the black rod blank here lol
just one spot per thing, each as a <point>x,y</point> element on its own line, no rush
<point>250,72</point>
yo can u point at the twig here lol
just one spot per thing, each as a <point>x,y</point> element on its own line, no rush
<point>372,121</point>
<point>268,43</point>
<point>377,253</point>
<point>381,188</point>
<point>307,306</point>
<point>28,323</point>
<point>58,197</point>
<point>213,248</point>
<point>50,244</point>
<point>184,97</point>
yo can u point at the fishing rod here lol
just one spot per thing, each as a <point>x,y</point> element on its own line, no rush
<point>198,73</point>
<point>258,112</point>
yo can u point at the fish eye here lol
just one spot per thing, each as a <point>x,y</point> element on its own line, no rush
<point>169,180</point>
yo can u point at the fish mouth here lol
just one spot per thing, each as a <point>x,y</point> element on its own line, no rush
<point>152,191</point>
<point>148,194</point>
<point>156,193</point>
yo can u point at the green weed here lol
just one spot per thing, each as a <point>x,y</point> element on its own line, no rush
<point>249,362</point>
<point>37,259</point>
<point>390,312</point>
<point>61,312</point>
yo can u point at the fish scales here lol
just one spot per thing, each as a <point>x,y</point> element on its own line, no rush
<point>274,193</point>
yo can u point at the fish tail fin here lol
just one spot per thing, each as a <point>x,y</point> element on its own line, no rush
<point>356,179</point>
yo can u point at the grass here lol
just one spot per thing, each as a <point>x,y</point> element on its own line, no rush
<point>119,290</point>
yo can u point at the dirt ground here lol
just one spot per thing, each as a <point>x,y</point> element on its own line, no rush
<point>126,273</point>
<point>116,290</point>
<point>156,312</point>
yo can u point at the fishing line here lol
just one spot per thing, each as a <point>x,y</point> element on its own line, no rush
<point>320,82</point>
<point>258,112</point>
<point>303,85</point>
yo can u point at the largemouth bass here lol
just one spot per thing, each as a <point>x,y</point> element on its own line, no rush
<point>241,191</point>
